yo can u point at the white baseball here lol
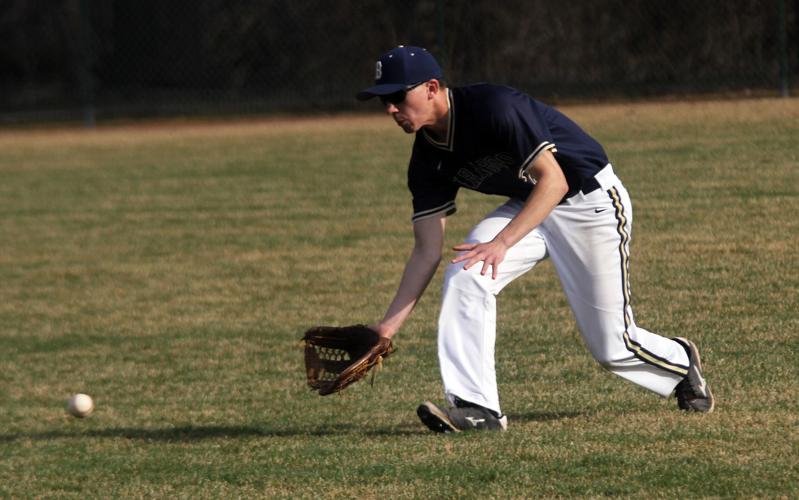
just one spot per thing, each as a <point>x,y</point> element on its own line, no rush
<point>80,405</point>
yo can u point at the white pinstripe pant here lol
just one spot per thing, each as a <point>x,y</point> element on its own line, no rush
<point>587,238</point>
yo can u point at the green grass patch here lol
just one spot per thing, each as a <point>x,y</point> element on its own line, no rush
<point>169,271</point>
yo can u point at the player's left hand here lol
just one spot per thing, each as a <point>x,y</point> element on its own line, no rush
<point>491,254</point>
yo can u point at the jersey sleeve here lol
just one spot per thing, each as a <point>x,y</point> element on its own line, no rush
<point>433,195</point>
<point>524,129</point>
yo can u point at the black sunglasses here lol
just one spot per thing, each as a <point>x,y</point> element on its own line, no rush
<point>399,96</point>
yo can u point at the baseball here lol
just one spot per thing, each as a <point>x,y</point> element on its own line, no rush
<point>80,405</point>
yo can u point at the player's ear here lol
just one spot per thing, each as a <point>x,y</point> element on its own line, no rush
<point>433,86</point>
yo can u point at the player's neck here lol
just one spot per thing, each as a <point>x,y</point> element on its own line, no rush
<point>439,129</point>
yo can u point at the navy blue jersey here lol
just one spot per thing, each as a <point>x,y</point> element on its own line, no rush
<point>495,133</point>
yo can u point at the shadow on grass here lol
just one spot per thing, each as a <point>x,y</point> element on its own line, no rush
<point>190,433</point>
<point>544,416</point>
<point>198,433</point>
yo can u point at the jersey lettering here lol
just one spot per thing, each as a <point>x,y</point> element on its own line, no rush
<point>477,171</point>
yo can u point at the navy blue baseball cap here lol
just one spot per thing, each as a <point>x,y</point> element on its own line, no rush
<point>399,68</point>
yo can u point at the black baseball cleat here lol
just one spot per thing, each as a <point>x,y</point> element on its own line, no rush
<point>463,417</point>
<point>693,392</point>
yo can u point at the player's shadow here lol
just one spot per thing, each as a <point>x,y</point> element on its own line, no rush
<point>190,433</point>
<point>544,416</point>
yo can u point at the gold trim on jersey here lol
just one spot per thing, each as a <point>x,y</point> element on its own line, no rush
<point>523,170</point>
<point>447,208</point>
<point>449,143</point>
<point>624,246</point>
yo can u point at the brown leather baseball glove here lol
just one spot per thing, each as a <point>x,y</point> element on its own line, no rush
<point>336,357</point>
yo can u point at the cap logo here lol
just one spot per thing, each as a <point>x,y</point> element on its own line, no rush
<point>378,70</point>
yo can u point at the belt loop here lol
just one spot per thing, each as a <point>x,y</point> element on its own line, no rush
<point>606,178</point>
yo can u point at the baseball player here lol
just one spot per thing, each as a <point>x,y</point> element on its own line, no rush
<point>565,202</point>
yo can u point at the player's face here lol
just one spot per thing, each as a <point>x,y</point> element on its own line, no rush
<point>411,108</point>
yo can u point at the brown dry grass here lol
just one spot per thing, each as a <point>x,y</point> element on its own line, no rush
<point>168,268</point>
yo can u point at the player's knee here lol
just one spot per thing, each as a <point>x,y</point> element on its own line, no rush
<point>609,359</point>
<point>468,280</point>
<point>605,342</point>
<point>607,363</point>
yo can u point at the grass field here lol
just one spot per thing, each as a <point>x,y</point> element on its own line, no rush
<point>168,270</point>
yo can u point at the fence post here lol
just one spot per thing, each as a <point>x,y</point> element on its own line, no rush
<point>440,32</point>
<point>783,47</point>
<point>85,63</point>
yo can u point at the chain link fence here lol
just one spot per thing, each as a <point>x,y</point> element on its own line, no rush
<point>67,59</point>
